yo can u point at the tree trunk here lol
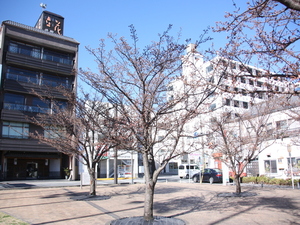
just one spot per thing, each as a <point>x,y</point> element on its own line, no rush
<point>93,183</point>
<point>149,167</point>
<point>238,189</point>
<point>116,166</point>
<point>149,199</point>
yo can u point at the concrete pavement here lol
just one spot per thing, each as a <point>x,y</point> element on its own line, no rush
<point>193,203</point>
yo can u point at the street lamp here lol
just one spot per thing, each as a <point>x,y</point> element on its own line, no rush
<point>289,149</point>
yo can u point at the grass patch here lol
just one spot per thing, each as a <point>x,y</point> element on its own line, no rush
<point>7,219</point>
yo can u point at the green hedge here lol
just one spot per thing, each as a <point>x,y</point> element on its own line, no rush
<point>268,180</point>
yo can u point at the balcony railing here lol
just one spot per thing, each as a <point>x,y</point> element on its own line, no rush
<point>25,108</point>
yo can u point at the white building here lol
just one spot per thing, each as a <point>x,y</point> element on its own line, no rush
<point>231,88</point>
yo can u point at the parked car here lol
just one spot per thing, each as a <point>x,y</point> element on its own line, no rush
<point>188,170</point>
<point>209,175</point>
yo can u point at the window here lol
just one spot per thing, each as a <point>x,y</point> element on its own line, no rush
<point>270,166</point>
<point>236,103</point>
<point>251,82</point>
<point>24,49</point>
<point>259,84</point>
<point>227,102</point>
<point>14,102</point>
<point>22,75</point>
<point>36,52</point>
<point>233,65</point>
<point>55,81</point>
<point>59,105</point>
<point>173,166</point>
<point>281,124</point>
<point>209,68</point>
<point>212,107</point>
<point>54,132</point>
<point>250,70</point>
<point>244,93</point>
<point>15,130</point>
<point>245,105</point>
<point>14,98</point>
<point>171,97</point>
<point>258,73</point>
<point>58,57</point>
<point>25,103</point>
<point>38,105</point>
<point>243,80</point>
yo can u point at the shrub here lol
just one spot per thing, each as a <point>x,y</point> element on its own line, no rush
<point>268,180</point>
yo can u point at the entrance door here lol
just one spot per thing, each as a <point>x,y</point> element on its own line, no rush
<point>32,170</point>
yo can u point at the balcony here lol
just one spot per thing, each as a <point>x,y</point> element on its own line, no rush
<point>25,108</point>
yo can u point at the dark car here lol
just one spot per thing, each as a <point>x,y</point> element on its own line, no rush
<point>209,175</point>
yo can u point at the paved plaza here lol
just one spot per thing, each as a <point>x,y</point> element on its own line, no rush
<point>193,203</point>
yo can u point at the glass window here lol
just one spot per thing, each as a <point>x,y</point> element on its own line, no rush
<point>233,65</point>
<point>212,107</point>
<point>58,57</point>
<point>245,105</point>
<point>40,103</point>
<point>227,102</point>
<point>281,124</point>
<point>236,103</point>
<point>54,132</point>
<point>209,68</point>
<point>14,98</point>
<point>14,102</point>
<point>39,106</point>
<point>59,105</point>
<point>55,81</point>
<point>24,49</point>
<point>259,84</point>
<point>270,166</point>
<point>15,130</point>
<point>22,75</point>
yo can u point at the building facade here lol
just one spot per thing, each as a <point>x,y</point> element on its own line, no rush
<point>34,61</point>
<point>236,87</point>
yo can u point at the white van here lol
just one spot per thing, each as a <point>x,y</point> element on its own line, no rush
<point>188,170</point>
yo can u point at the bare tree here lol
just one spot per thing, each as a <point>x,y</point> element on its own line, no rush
<point>136,82</point>
<point>239,137</point>
<point>77,129</point>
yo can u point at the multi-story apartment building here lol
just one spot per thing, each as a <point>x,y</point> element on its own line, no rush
<point>231,88</point>
<point>33,60</point>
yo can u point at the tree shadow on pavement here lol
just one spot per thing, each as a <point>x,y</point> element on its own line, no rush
<point>236,206</point>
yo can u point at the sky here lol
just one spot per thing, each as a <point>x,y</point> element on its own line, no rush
<point>91,20</point>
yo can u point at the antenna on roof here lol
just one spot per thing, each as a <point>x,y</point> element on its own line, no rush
<point>43,5</point>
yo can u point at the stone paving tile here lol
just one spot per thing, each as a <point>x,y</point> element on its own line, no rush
<point>191,203</point>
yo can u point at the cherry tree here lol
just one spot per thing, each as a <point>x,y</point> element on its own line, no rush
<point>265,33</point>
<point>77,129</point>
<point>238,137</point>
<point>137,81</point>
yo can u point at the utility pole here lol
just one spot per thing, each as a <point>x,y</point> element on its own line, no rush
<point>115,156</point>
